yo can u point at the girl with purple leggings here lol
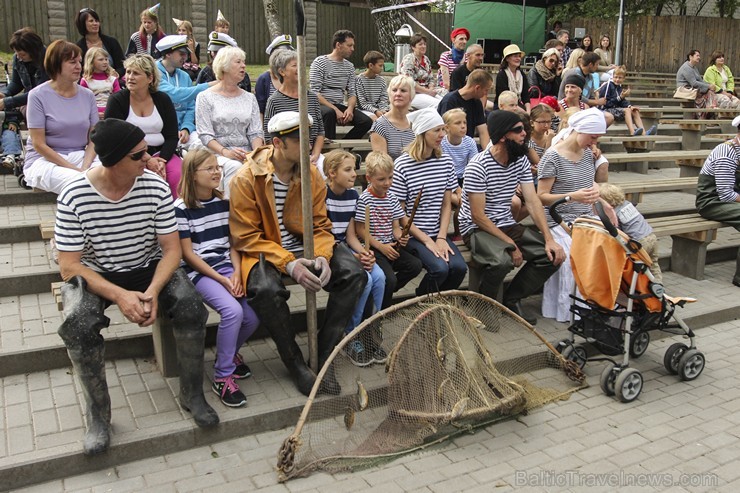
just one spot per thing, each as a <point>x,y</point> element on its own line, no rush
<point>214,267</point>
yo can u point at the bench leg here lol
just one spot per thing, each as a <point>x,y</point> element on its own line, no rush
<point>727,128</point>
<point>688,171</point>
<point>649,121</point>
<point>165,348</point>
<point>640,167</point>
<point>688,257</point>
<point>690,140</point>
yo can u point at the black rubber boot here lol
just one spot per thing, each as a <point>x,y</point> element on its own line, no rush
<point>89,365</point>
<point>182,308</point>
<point>80,332</point>
<point>268,297</point>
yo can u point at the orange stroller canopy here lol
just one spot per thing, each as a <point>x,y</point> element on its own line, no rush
<point>602,266</point>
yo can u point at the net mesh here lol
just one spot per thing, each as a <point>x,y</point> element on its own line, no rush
<point>456,360</point>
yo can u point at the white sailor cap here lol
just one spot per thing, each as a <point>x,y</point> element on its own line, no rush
<point>286,123</point>
<point>217,40</point>
<point>282,40</point>
<point>172,42</point>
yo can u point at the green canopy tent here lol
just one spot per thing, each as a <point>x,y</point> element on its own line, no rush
<point>522,22</point>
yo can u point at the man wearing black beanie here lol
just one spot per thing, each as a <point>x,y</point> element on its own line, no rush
<point>497,242</point>
<point>118,243</point>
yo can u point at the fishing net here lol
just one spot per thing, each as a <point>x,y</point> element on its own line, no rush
<point>456,361</point>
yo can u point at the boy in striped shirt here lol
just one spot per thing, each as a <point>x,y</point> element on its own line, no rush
<point>386,216</point>
<point>372,91</point>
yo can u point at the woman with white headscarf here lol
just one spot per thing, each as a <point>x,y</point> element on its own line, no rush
<point>423,166</point>
<point>570,170</point>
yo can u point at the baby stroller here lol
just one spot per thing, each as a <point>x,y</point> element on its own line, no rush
<point>621,303</point>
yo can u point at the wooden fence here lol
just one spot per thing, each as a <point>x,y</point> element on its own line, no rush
<point>660,44</point>
<point>248,26</point>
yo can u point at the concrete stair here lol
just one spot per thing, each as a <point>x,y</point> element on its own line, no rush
<point>42,423</point>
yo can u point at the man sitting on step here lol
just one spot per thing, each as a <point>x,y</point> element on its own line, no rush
<point>497,242</point>
<point>266,223</point>
<point>118,243</point>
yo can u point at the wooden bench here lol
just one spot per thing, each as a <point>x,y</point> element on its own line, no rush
<point>691,235</point>
<point>691,131</point>
<point>640,164</point>
<point>634,190</point>
<point>348,144</point>
<point>638,143</point>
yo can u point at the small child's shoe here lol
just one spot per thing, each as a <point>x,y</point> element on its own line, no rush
<point>228,391</point>
<point>652,130</point>
<point>638,131</point>
<point>242,370</point>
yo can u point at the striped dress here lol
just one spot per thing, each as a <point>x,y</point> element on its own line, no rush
<point>436,176</point>
<point>396,139</point>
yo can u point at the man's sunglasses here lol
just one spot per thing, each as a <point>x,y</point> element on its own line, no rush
<point>136,156</point>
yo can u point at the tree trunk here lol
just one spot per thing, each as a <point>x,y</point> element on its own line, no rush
<point>271,16</point>
<point>387,24</point>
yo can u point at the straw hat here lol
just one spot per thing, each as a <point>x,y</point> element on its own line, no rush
<point>513,50</point>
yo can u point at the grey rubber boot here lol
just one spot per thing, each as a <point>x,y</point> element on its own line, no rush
<point>89,366</point>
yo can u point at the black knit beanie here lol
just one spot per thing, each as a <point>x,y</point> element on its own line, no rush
<point>576,80</point>
<point>114,139</point>
<point>500,122</point>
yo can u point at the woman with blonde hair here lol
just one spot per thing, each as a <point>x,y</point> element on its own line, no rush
<point>227,117</point>
<point>143,105</point>
<point>423,169</point>
<point>391,133</point>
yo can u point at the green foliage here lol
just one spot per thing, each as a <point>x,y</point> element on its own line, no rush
<point>726,8</point>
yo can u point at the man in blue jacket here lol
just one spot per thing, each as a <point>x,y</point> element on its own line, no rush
<point>176,83</point>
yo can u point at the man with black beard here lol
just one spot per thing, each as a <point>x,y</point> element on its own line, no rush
<point>497,242</point>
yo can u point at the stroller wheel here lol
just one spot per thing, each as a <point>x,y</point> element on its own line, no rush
<point>628,385</point>
<point>673,356</point>
<point>691,365</point>
<point>577,354</point>
<point>639,343</point>
<point>608,377</point>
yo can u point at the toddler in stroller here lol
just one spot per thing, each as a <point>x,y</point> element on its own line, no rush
<point>10,141</point>
<point>621,303</point>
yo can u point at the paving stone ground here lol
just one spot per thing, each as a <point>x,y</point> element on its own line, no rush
<point>677,436</point>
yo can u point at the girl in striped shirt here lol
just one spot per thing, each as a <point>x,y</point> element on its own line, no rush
<point>424,166</point>
<point>214,267</point>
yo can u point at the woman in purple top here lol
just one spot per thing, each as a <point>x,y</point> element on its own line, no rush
<point>60,116</point>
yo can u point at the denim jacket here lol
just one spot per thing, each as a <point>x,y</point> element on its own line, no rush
<point>22,82</point>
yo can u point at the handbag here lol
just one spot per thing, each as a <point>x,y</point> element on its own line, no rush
<point>685,93</point>
<point>535,101</point>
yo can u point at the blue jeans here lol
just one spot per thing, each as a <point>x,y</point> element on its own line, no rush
<point>376,286</point>
<point>11,142</point>
<point>441,275</point>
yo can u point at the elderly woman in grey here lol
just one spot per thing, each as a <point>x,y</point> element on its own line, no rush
<point>227,117</point>
<point>284,63</point>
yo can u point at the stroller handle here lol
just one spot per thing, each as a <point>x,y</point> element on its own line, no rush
<point>554,210</point>
<point>605,219</point>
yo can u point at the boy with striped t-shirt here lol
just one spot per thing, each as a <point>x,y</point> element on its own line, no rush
<point>386,214</point>
<point>372,95</point>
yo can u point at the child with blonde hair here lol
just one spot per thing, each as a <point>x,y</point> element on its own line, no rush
<point>341,201</point>
<point>509,101</point>
<point>386,215</point>
<point>100,77</point>
<point>632,223</point>
<point>618,105</point>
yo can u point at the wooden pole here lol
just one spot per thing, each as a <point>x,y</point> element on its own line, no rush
<point>306,196</point>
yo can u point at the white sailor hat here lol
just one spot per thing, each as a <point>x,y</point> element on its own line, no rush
<point>286,123</point>
<point>282,40</point>
<point>172,42</point>
<point>217,40</point>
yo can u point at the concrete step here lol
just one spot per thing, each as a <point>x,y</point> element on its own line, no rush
<point>45,426</point>
<point>12,194</point>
